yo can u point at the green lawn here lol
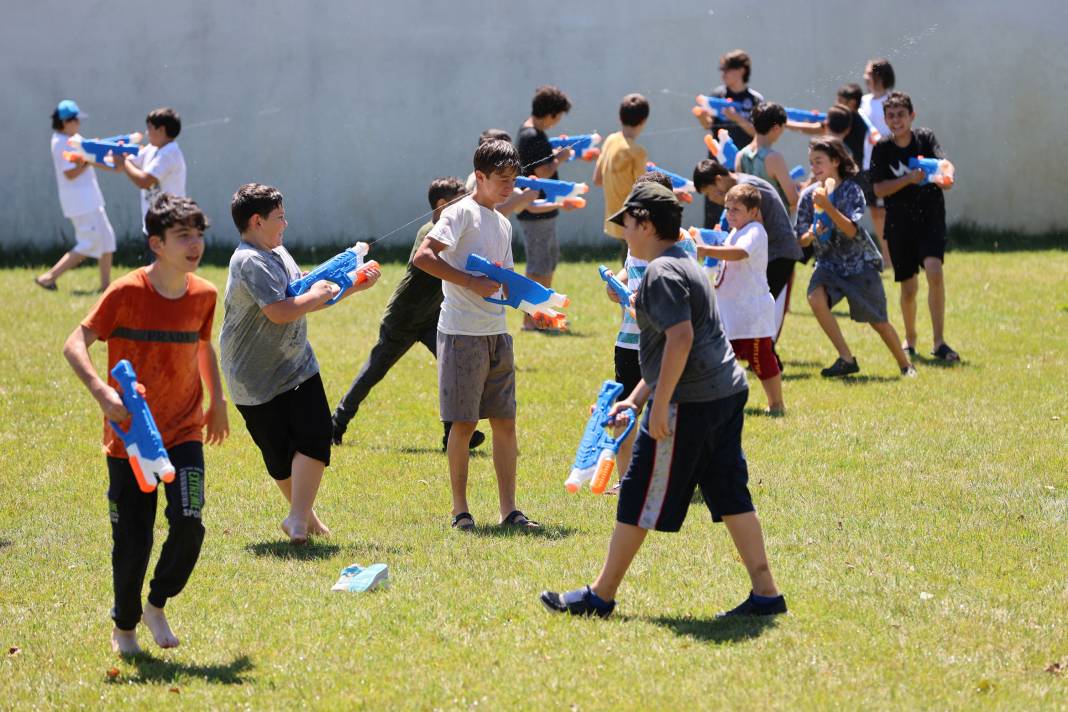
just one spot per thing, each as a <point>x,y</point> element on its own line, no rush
<point>918,527</point>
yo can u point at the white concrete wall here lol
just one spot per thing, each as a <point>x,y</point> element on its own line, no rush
<point>351,108</point>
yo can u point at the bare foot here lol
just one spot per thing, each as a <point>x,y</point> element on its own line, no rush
<point>296,531</point>
<point>316,527</point>
<point>156,620</point>
<point>124,642</point>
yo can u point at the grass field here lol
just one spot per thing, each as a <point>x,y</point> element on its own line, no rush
<point>918,527</point>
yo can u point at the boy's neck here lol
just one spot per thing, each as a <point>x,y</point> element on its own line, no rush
<point>903,139</point>
<point>482,200</point>
<point>539,123</point>
<point>630,132</point>
<point>737,88</point>
<point>649,250</point>
<point>764,141</point>
<point>257,241</point>
<point>166,280</point>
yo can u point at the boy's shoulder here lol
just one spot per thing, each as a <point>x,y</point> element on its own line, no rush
<point>199,286</point>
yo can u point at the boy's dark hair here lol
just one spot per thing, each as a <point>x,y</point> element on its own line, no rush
<point>168,210</point>
<point>766,116</point>
<point>666,223</point>
<point>494,135</point>
<point>253,199</point>
<point>706,172</point>
<point>57,123</point>
<point>851,92</point>
<point>167,119</point>
<point>881,70</point>
<point>654,177</point>
<point>839,119</point>
<point>834,148</point>
<point>549,100</point>
<point>745,194</point>
<point>737,59</point>
<point>897,99</point>
<point>499,156</point>
<point>633,110</point>
<point>444,189</point>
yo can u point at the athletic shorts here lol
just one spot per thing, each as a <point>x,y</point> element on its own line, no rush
<point>864,293</point>
<point>476,377</point>
<point>913,235</point>
<point>291,422</point>
<point>93,234</point>
<point>628,370</point>
<point>759,354</point>
<point>543,251</point>
<point>704,450</point>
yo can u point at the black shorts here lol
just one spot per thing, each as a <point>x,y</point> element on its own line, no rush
<point>295,421</point>
<point>779,273</point>
<point>628,371</point>
<point>705,450</point>
<point>913,235</point>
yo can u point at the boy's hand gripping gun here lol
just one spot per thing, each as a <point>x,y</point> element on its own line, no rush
<point>620,289</point>
<point>596,456</point>
<point>682,187</point>
<point>523,293</point>
<point>584,146</point>
<point>820,218</point>
<point>345,270</point>
<point>143,442</point>
<point>936,170</point>
<point>709,237</point>
<point>557,192</point>
<point>95,150</point>
<point>724,149</point>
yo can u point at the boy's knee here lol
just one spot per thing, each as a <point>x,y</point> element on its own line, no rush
<point>932,267</point>
<point>817,297</point>
<point>909,288</point>
<point>502,426</point>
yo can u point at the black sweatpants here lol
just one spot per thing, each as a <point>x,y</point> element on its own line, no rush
<point>133,516</point>
<point>392,345</point>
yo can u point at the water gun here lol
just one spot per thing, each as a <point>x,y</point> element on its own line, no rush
<point>523,293</point>
<point>683,186</point>
<point>820,218</point>
<point>583,146</point>
<point>797,173</point>
<point>709,237</point>
<point>557,192</point>
<point>724,149</point>
<point>344,270</point>
<point>936,170</point>
<point>805,116</point>
<point>873,133</point>
<point>619,288</point>
<point>596,456</point>
<point>143,443</point>
<point>716,106</point>
<point>95,150</point>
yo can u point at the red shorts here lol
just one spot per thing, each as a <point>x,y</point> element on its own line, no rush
<point>759,355</point>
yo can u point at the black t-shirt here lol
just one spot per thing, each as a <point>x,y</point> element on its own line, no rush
<point>534,149</point>
<point>745,100</point>
<point>854,140</point>
<point>890,161</point>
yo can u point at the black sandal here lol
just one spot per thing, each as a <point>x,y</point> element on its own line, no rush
<point>945,353</point>
<point>519,520</point>
<point>460,518</point>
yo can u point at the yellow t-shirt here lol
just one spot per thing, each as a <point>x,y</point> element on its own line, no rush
<point>621,162</point>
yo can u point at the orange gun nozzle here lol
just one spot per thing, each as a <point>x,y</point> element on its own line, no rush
<point>602,476</point>
<point>685,197</point>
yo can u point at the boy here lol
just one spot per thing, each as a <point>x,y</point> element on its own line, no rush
<point>519,199</point>
<point>691,434</point>
<point>735,68</point>
<point>880,79</point>
<point>713,181</point>
<point>622,160</point>
<point>411,317</point>
<point>915,219</point>
<point>759,159</point>
<point>537,157</point>
<point>856,139</point>
<point>81,201</point>
<point>159,317</point>
<point>270,366</point>
<point>745,304</point>
<point>476,369</point>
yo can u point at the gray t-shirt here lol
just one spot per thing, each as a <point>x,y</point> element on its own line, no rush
<point>261,359</point>
<point>781,240</point>
<point>675,289</point>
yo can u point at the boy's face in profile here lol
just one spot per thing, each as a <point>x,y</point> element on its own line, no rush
<point>497,186</point>
<point>71,126</point>
<point>157,135</point>
<point>717,190</point>
<point>181,247</point>
<point>732,77</point>
<point>552,120</point>
<point>899,120</point>
<point>738,216</point>
<point>848,102</point>
<point>267,231</point>
<point>869,78</point>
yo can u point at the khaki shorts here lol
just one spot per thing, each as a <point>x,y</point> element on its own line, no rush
<point>93,234</point>
<point>476,377</point>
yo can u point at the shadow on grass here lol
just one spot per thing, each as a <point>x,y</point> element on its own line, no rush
<point>758,412</point>
<point>802,364</point>
<point>557,334</point>
<point>151,669</point>
<point>281,549</point>
<point>791,376</point>
<point>4,543</point>
<point>938,362</point>
<point>717,630</point>
<point>546,531</point>
<point>85,292</point>
<point>855,380</point>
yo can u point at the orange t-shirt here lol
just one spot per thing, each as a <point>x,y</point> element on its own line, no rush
<point>160,337</point>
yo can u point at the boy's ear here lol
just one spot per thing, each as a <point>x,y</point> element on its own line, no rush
<point>155,243</point>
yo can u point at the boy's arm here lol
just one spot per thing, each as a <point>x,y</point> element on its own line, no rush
<point>679,340</point>
<point>427,259</point>
<point>776,167</point>
<point>806,127</point>
<point>76,351</point>
<point>81,167</point>
<point>293,308</point>
<point>722,252</point>
<point>216,418</point>
<point>888,187</point>
<point>137,176</point>
<point>598,174</point>
<point>520,200</point>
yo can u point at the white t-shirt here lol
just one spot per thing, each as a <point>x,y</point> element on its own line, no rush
<point>81,195</point>
<point>745,302</point>
<point>872,108</point>
<point>167,164</point>
<point>467,228</point>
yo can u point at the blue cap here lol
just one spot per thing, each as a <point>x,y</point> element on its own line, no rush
<point>67,109</point>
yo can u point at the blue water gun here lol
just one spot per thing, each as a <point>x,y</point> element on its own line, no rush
<point>709,237</point>
<point>936,170</point>
<point>523,293</point>
<point>143,442</point>
<point>344,270</point>
<point>596,456</point>
<point>619,288</point>
<point>717,106</point>
<point>95,150</point>
<point>820,218</point>
<point>584,146</point>
<point>557,192</point>
<point>797,173</point>
<point>805,116</point>
<point>725,150</point>
<point>683,187</point>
